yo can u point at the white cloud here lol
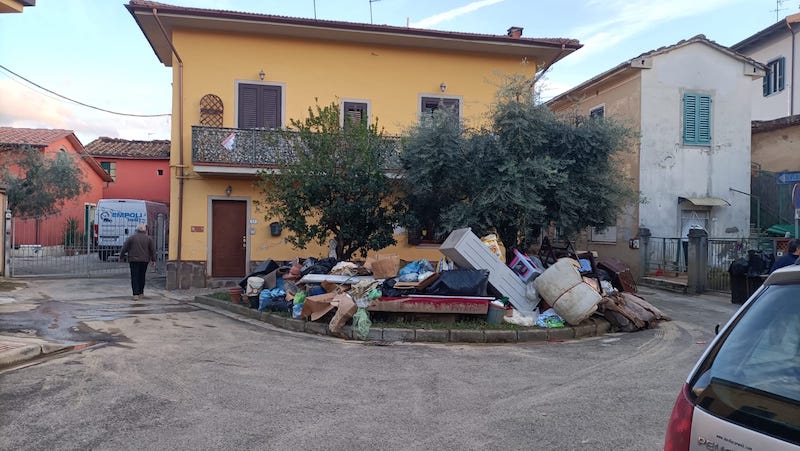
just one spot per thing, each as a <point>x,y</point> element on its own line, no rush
<point>627,18</point>
<point>28,108</point>
<point>453,13</point>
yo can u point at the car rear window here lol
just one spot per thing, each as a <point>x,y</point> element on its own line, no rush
<point>752,376</point>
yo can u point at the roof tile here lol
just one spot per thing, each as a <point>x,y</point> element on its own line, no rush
<point>38,137</point>
<point>123,148</point>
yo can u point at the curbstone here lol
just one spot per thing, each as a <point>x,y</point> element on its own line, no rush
<point>375,334</point>
<point>432,335</point>
<point>467,335</point>
<point>500,336</point>
<point>295,325</point>
<point>533,334</point>
<point>316,328</point>
<point>560,333</point>
<point>591,327</point>
<point>275,320</point>
<point>392,334</point>
<point>586,328</point>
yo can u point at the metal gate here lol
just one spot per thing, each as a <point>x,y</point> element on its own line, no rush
<point>67,247</point>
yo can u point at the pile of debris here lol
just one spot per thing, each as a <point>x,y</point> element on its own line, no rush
<point>471,280</point>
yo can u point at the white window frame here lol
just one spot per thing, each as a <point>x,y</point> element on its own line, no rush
<point>605,235</point>
<point>441,96</point>
<point>341,109</point>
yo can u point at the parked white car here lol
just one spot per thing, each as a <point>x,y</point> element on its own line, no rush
<point>744,392</point>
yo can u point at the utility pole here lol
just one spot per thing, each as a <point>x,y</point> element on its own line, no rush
<point>370,9</point>
<point>315,9</point>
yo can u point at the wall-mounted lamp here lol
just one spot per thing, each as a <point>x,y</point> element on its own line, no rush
<point>443,86</point>
<point>261,75</point>
<point>228,190</point>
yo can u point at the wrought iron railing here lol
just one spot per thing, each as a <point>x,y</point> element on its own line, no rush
<point>261,147</point>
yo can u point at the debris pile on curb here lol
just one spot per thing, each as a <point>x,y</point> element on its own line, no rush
<point>470,281</point>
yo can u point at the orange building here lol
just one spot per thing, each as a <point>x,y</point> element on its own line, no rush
<point>140,169</point>
<point>50,231</point>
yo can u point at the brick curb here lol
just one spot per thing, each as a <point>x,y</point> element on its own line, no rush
<point>591,327</point>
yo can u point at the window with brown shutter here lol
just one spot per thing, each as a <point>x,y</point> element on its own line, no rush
<point>259,106</point>
<point>430,104</point>
<point>354,112</point>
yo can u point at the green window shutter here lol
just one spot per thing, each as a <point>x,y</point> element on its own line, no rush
<point>704,120</point>
<point>696,119</point>
<point>690,119</point>
<point>765,83</point>
<point>781,72</point>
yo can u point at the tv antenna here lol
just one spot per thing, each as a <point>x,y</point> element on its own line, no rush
<point>370,9</point>
<point>778,9</point>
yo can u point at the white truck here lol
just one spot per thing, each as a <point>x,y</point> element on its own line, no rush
<point>116,219</point>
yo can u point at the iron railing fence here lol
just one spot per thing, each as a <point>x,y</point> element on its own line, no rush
<point>262,147</point>
<point>668,256</point>
<point>55,247</point>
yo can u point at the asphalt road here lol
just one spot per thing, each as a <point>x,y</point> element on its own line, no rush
<point>170,375</point>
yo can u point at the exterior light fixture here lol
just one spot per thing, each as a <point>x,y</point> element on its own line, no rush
<point>443,86</point>
<point>228,190</point>
<point>261,75</point>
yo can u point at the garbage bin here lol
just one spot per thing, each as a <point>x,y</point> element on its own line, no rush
<point>739,286</point>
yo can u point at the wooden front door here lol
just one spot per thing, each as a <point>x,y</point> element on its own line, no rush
<point>228,238</point>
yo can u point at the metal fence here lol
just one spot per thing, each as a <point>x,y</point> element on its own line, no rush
<point>667,256</point>
<point>67,247</point>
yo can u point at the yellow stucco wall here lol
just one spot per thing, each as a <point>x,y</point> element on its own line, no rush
<point>776,150</point>
<point>622,100</point>
<point>391,78</point>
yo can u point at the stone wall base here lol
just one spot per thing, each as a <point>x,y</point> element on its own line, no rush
<point>186,274</point>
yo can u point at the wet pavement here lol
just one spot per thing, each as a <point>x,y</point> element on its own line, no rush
<point>43,316</point>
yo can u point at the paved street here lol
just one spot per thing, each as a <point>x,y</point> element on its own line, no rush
<point>167,374</point>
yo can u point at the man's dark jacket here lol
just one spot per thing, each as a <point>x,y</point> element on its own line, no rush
<point>139,248</point>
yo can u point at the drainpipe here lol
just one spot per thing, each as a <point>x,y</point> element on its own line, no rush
<point>791,93</point>
<point>181,174</point>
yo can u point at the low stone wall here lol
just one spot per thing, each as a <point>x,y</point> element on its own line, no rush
<point>588,328</point>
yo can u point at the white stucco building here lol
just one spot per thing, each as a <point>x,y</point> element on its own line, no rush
<point>776,46</point>
<point>690,104</point>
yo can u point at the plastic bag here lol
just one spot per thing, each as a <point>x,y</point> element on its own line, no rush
<point>297,310</point>
<point>549,318</point>
<point>493,244</point>
<point>415,267</point>
<point>522,319</point>
<point>460,282</point>
<point>361,324</point>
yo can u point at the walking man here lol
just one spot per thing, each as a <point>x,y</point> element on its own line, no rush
<point>789,258</point>
<point>139,250</point>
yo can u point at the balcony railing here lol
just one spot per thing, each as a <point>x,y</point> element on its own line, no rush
<point>258,148</point>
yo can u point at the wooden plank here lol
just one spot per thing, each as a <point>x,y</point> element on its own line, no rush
<point>319,278</point>
<point>432,304</point>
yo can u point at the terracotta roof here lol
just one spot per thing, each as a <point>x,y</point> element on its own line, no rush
<point>123,148</point>
<point>171,14</point>
<point>628,64</point>
<point>775,124</point>
<point>37,137</point>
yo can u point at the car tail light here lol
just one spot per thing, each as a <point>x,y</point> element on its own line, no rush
<point>679,428</point>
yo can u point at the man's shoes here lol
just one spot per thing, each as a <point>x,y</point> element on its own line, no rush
<point>135,297</point>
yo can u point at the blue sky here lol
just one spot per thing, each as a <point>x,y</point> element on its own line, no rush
<point>92,51</point>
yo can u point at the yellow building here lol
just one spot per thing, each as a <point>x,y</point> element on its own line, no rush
<point>236,75</point>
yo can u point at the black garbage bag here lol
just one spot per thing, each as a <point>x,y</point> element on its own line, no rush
<point>388,289</point>
<point>323,266</point>
<point>460,282</point>
<point>739,267</point>
<point>262,269</point>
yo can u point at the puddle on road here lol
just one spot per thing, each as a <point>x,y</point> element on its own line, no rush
<point>65,321</point>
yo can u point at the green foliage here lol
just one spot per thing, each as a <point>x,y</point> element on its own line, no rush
<point>72,236</point>
<point>38,185</point>
<point>528,169</point>
<point>332,184</point>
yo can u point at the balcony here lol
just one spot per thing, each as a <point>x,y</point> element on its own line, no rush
<point>244,152</point>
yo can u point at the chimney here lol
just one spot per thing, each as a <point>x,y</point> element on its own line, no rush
<point>515,32</point>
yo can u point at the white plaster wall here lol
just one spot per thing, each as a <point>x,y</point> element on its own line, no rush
<point>778,104</point>
<point>668,169</point>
